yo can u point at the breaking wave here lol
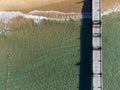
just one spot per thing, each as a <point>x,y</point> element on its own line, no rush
<point>71,15</point>
<point>37,16</point>
<point>111,10</point>
<point>6,17</point>
<point>48,12</point>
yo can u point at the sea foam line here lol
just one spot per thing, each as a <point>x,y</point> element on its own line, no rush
<point>111,10</point>
<point>5,17</point>
<point>49,12</point>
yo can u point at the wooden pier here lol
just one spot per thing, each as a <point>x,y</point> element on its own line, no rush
<point>97,45</point>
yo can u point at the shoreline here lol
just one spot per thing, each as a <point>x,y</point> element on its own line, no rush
<point>55,14</point>
<point>111,10</point>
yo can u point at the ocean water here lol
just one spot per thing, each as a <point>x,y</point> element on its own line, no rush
<point>111,51</point>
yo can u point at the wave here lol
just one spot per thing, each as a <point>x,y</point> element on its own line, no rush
<point>5,17</point>
<point>111,10</point>
<point>48,12</point>
<point>75,15</point>
<point>37,15</point>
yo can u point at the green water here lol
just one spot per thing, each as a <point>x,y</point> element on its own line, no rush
<point>41,57</point>
<point>111,52</point>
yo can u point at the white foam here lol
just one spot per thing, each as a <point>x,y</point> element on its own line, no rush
<point>7,16</point>
<point>111,10</point>
<point>48,12</point>
<point>84,15</point>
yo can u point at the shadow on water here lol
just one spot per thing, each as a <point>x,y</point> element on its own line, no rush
<point>85,64</point>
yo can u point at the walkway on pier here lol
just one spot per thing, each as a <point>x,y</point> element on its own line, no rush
<point>97,45</point>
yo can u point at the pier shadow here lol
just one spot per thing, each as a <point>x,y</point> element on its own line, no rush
<point>85,63</point>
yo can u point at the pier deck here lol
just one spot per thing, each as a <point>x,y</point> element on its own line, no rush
<point>97,45</point>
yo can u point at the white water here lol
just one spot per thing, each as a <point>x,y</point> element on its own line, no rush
<point>111,10</point>
<point>78,15</point>
<point>5,17</point>
<point>48,12</point>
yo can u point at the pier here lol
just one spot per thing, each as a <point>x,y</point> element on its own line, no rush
<point>97,45</point>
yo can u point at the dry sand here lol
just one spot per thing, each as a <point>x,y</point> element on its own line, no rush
<point>24,4</point>
<point>28,5</point>
<point>108,4</point>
